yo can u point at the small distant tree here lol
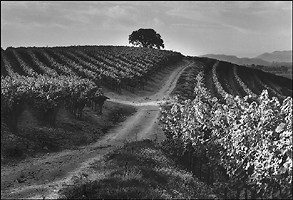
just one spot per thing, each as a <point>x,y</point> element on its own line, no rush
<point>146,38</point>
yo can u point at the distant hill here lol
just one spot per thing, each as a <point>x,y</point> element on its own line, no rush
<point>265,59</point>
<point>236,60</point>
<point>277,56</point>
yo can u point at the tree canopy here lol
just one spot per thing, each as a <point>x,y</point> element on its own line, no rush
<point>146,38</point>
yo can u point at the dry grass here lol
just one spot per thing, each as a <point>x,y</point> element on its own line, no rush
<point>138,170</point>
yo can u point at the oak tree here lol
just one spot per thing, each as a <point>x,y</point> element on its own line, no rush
<point>146,38</point>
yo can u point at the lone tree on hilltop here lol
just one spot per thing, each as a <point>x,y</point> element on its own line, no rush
<point>146,38</point>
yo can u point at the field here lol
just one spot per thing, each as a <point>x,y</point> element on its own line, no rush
<point>160,103</point>
<point>286,75</point>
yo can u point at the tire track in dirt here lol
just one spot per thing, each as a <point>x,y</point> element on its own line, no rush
<point>51,172</point>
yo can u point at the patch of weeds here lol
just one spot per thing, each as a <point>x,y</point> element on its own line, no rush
<point>154,176</point>
<point>105,129</point>
<point>127,174</point>
<point>122,158</point>
<point>117,116</point>
<point>13,152</point>
<point>78,189</point>
<point>109,188</point>
<point>120,114</point>
<point>81,140</point>
<point>70,126</point>
<point>139,170</point>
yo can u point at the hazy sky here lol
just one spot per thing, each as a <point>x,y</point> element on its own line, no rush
<point>244,29</point>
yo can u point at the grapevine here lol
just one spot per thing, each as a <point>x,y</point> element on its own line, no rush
<point>250,143</point>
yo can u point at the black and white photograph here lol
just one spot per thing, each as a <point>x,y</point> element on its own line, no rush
<point>146,100</point>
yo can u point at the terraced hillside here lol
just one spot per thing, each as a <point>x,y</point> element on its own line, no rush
<point>50,77</point>
<point>222,78</point>
<point>113,66</point>
<point>74,142</point>
<point>228,142</point>
<point>231,126</point>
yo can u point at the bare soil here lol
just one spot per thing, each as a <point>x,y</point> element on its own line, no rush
<point>43,176</point>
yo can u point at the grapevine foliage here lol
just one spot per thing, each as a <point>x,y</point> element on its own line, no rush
<point>72,75</point>
<point>251,141</point>
<point>43,92</point>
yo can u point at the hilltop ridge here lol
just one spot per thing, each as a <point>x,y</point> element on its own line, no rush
<point>265,59</point>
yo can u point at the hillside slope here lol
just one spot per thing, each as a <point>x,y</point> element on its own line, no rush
<point>74,148</point>
<point>238,61</point>
<point>276,56</point>
<point>43,175</point>
<point>265,59</point>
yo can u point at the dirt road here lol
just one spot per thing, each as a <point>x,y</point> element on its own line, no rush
<point>43,176</point>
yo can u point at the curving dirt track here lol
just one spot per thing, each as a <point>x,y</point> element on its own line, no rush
<point>40,177</point>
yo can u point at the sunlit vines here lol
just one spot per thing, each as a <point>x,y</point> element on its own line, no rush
<point>7,65</point>
<point>241,83</point>
<point>55,65</point>
<point>249,143</point>
<point>217,83</point>
<point>28,70</point>
<point>37,62</point>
